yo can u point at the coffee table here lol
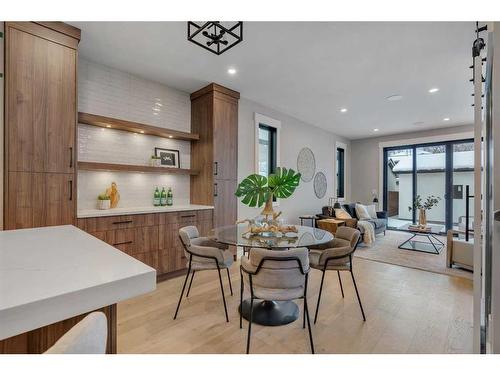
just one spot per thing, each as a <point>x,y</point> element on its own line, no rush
<point>423,241</point>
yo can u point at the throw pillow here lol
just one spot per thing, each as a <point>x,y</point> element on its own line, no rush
<point>340,213</point>
<point>362,212</point>
<point>372,211</point>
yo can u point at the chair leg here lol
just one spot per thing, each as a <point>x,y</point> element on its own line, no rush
<point>182,292</point>
<point>250,325</point>
<point>359,299</point>
<point>190,282</point>
<point>319,297</point>
<point>340,282</point>
<point>304,315</point>
<point>306,311</point>
<point>222,290</point>
<point>229,280</point>
<point>241,301</point>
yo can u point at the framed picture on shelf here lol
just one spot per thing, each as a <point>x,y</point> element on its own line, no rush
<point>168,158</point>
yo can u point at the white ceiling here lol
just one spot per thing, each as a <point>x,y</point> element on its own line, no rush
<point>310,70</point>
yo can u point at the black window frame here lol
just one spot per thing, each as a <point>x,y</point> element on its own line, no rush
<point>340,173</point>
<point>273,149</point>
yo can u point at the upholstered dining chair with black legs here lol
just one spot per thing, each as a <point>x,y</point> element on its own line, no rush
<point>203,254</point>
<point>273,275</point>
<point>336,255</point>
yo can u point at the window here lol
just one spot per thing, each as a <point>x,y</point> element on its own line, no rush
<point>340,168</point>
<point>267,150</point>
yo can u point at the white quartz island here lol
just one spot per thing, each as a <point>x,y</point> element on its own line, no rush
<point>51,274</point>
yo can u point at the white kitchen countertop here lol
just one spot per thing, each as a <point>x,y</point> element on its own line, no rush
<point>53,273</point>
<point>139,210</point>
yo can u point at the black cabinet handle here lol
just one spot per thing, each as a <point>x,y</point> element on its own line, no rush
<point>216,168</point>
<point>122,222</point>
<point>216,191</point>
<point>122,243</point>
<point>71,157</point>
<point>70,190</point>
<point>184,216</point>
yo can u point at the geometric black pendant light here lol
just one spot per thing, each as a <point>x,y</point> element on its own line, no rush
<point>215,36</point>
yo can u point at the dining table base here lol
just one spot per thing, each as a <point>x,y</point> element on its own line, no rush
<point>270,313</point>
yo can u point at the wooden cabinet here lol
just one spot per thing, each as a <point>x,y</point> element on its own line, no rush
<point>39,199</point>
<point>40,123</point>
<point>151,238</point>
<point>225,138</point>
<point>225,202</point>
<point>214,116</point>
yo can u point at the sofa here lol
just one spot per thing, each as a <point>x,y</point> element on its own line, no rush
<point>379,224</point>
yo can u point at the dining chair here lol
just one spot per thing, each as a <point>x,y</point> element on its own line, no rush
<point>89,336</point>
<point>204,254</point>
<point>336,255</point>
<point>273,275</point>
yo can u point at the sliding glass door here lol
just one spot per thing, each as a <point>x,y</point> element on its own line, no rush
<point>434,170</point>
<point>431,183</point>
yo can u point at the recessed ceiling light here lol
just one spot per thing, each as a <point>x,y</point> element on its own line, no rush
<point>108,126</point>
<point>170,136</point>
<point>446,119</point>
<point>433,90</point>
<point>375,130</point>
<point>394,98</point>
<point>231,71</point>
<point>343,110</point>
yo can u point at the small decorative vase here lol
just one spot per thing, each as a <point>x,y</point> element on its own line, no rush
<point>268,210</point>
<point>422,218</point>
<point>104,204</point>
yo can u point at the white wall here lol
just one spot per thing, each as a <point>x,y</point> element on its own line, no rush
<point>365,158</point>
<point>294,135</point>
<point>106,91</point>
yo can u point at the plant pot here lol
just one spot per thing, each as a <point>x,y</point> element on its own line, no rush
<point>422,218</point>
<point>104,204</point>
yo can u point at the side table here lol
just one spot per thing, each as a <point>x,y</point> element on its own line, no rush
<point>330,225</point>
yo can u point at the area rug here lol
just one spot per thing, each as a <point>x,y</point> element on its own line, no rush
<point>385,250</point>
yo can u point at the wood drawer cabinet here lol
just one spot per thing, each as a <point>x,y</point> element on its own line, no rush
<point>151,238</point>
<point>97,224</point>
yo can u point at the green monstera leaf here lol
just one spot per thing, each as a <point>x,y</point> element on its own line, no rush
<point>283,182</point>
<point>254,190</point>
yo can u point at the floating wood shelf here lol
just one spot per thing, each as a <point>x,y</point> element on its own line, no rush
<point>134,127</point>
<point>97,166</point>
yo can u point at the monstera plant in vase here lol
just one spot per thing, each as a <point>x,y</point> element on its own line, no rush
<point>256,191</point>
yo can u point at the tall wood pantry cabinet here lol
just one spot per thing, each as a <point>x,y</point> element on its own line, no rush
<point>214,116</point>
<point>40,123</point>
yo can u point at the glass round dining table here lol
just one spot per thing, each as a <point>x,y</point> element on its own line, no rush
<point>271,313</point>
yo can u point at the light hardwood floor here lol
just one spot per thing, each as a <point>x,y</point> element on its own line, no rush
<point>408,311</point>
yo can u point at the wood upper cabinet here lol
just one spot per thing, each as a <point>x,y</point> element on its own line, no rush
<point>39,200</point>
<point>40,102</point>
<point>225,137</point>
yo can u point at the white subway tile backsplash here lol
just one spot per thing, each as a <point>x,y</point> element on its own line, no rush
<point>136,189</point>
<point>109,92</point>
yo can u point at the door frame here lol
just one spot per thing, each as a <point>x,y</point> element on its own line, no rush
<point>448,173</point>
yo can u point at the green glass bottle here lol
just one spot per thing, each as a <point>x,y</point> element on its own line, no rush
<point>163,198</point>
<point>156,197</point>
<point>170,197</point>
